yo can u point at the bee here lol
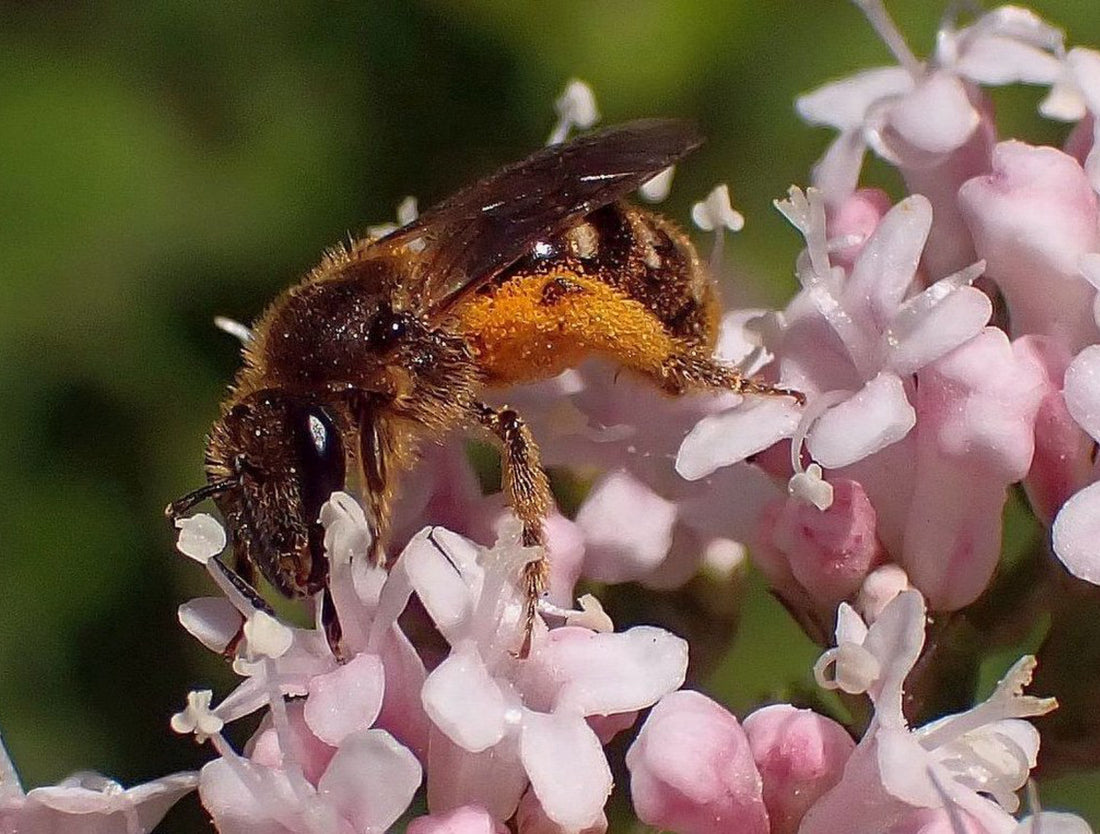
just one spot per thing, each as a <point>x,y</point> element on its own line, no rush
<point>391,342</point>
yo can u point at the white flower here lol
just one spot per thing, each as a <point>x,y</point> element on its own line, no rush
<point>498,721</point>
<point>958,761</point>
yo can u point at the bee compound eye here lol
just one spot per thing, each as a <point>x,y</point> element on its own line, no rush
<point>320,465</point>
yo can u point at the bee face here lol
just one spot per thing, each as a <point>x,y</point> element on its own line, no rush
<point>283,456</point>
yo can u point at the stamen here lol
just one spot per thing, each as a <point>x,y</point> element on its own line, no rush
<point>197,717</point>
<point>233,328</point>
<point>1007,701</point>
<point>576,107</point>
<point>201,537</point>
<point>814,409</point>
<point>849,667</point>
<point>716,214</point>
<point>886,29</point>
<point>658,188</point>
<point>591,614</point>
<point>267,636</point>
<point>811,488</point>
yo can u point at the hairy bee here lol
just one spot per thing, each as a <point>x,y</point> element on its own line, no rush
<point>389,343</point>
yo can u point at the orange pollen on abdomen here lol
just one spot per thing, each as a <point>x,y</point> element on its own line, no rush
<point>536,326</point>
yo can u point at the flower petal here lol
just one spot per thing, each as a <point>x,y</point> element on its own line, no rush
<point>843,104</point>
<point>605,674</point>
<point>464,701</point>
<point>937,116</point>
<point>213,621</point>
<point>1077,534</point>
<point>627,528</point>
<point>885,269</point>
<point>724,439</point>
<point>1082,390</point>
<point>937,329</point>
<point>691,770</point>
<point>567,767</point>
<point>371,780</point>
<point>1000,60</point>
<point>466,819</point>
<point>345,700</point>
<point>874,417</point>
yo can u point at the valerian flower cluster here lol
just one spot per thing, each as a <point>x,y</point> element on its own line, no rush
<point>948,344</point>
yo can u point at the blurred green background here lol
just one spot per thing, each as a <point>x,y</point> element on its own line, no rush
<point>161,163</point>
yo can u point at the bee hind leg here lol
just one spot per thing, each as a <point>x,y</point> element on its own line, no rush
<point>528,491</point>
<point>689,370</point>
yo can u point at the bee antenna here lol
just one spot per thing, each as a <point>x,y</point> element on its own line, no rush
<point>181,505</point>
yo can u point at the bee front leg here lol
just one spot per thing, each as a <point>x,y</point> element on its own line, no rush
<point>681,372</point>
<point>330,622</point>
<point>528,491</point>
<point>242,580</point>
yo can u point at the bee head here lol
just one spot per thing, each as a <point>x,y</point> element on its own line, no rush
<point>272,461</point>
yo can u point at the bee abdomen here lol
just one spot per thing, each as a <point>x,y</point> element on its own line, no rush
<point>643,256</point>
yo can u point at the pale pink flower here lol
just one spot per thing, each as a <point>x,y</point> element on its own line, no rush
<point>489,726</point>
<point>930,120</point>
<point>974,761</point>
<point>366,786</point>
<point>1032,219</point>
<point>800,755</point>
<point>499,722</point>
<point>532,819</point>
<point>321,764</point>
<point>1062,463</point>
<point>976,410</point>
<point>816,557</point>
<point>87,803</point>
<point>1075,528</point>
<point>850,341</point>
<point>692,770</point>
<point>467,819</point>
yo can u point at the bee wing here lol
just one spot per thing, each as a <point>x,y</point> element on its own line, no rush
<point>467,239</point>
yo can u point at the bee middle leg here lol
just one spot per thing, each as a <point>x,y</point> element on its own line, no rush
<point>687,370</point>
<point>528,491</point>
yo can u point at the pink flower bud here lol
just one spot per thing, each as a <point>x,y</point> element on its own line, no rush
<point>856,217</point>
<point>827,552</point>
<point>938,177</point>
<point>532,819</point>
<point>692,772</point>
<point>800,755</point>
<point>1032,219</point>
<point>976,413</point>
<point>1063,452</point>
<point>467,819</point>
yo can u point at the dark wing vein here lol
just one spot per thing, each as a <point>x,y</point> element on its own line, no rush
<point>472,236</point>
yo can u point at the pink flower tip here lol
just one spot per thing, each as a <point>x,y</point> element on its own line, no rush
<point>800,755</point>
<point>467,819</point>
<point>692,770</point>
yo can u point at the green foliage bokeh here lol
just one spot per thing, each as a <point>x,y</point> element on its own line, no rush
<point>161,163</point>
